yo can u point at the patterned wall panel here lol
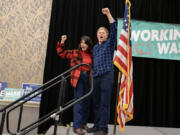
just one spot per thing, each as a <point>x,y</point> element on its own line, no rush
<point>24,27</point>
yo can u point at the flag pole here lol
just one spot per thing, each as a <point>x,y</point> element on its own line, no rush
<point>117,95</point>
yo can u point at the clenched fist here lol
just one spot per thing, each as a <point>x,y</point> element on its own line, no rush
<point>105,11</point>
<point>63,38</point>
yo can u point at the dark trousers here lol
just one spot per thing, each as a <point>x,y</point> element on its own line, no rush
<point>81,109</point>
<point>102,99</point>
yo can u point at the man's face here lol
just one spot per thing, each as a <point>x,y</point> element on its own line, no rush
<point>102,35</point>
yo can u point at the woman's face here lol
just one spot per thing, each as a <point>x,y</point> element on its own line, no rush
<point>84,46</point>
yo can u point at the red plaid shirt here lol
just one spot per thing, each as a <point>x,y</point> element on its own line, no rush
<point>75,57</point>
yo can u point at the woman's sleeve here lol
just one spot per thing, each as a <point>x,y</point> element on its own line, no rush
<point>64,54</point>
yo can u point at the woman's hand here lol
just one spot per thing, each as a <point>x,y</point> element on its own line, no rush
<point>63,38</point>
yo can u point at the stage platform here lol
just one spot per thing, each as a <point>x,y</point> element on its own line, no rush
<point>129,130</point>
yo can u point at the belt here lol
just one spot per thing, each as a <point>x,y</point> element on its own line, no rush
<point>85,72</point>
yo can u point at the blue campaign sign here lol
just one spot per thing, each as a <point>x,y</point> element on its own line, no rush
<point>3,85</point>
<point>28,87</point>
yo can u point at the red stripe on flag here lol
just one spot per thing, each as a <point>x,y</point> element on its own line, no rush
<point>123,38</point>
<point>121,63</point>
<point>123,84</point>
<point>121,49</point>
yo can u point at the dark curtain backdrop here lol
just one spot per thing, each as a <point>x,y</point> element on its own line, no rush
<point>156,82</point>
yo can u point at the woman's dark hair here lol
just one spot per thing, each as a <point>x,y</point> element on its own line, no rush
<point>88,41</point>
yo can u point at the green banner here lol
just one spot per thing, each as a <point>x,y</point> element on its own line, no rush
<point>154,40</point>
<point>12,94</point>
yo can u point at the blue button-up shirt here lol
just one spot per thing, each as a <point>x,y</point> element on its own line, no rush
<point>103,54</point>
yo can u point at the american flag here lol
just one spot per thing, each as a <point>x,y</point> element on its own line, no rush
<point>123,60</point>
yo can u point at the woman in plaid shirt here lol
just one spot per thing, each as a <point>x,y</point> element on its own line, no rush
<point>79,78</point>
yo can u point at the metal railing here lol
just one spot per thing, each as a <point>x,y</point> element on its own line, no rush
<point>53,114</point>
